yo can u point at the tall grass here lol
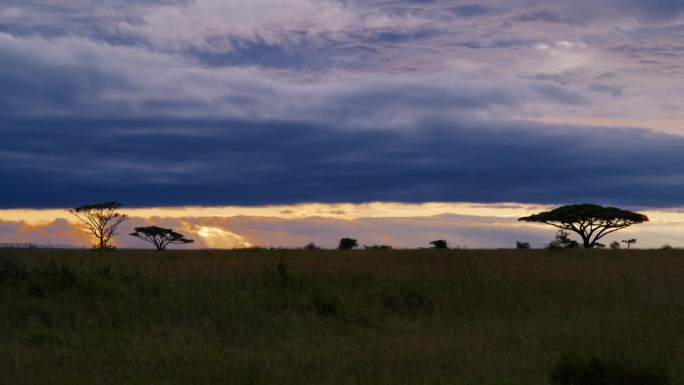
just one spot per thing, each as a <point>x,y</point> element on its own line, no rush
<point>337,317</point>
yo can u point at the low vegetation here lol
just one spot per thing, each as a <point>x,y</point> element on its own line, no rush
<point>342,317</point>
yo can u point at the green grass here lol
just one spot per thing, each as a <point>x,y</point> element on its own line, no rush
<point>339,317</point>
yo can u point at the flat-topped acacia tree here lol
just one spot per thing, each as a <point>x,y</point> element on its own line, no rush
<point>591,222</point>
<point>101,220</point>
<point>160,237</point>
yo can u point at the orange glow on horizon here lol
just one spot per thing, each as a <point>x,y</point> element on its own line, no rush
<point>348,211</point>
<point>406,224</point>
<point>303,210</point>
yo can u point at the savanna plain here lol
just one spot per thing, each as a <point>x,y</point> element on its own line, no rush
<point>341,317</point>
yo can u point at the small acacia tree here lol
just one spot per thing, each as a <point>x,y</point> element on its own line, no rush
<point>101,220</point>
<point>591,222</point>
<point>160,237</point>
<point>629,242</point>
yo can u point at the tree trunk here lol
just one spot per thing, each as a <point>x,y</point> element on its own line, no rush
<point>585,240</point>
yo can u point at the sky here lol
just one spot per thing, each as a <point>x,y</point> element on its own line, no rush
<point>254,108</point>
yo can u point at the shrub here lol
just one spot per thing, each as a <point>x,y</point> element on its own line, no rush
<point>439,244</point>
<point>563,241</point>
<point>347,244</point>
<point>615,245</point>
<point>377,247</point>
<point>522,245</point>
<point>311,246</point>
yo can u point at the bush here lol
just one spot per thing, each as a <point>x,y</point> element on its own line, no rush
<point>563,241</point>
<point>377,247</point>
<point>615,245</point>
<point>311,246</point>
<point>347,244</point>
<point>522,245</point>
<point>439,244</point>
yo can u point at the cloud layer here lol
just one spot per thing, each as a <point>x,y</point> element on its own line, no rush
<point>210,102</point>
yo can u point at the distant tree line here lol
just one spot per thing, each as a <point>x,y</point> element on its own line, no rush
<point>591,222</point>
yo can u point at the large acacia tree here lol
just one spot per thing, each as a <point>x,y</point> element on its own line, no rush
<point>160,237</point>
<point>591,222</point>
<point>101,220</point>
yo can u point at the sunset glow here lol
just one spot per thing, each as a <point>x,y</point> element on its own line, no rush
<point>402,225</point>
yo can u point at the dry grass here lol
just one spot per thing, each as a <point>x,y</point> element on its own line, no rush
<point>334,317</point>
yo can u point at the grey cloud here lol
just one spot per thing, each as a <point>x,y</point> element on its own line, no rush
<point>547,16</point>
<point>607,89</point>
<point>470,10</point>
<point>241,162</point>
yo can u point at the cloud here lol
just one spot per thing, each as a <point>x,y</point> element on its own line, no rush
<point>246,163</point>
<point>56,233</point>
<point>213,102</point>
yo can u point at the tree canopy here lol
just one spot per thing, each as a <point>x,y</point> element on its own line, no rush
<point>591,222</point>
<point>347,244</point>
<point>160,237</point>
<point>100,220</point>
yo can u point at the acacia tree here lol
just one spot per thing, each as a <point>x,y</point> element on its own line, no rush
<point>160,237</point>
<point>591,222</point>
<point>100,220</point>
<point>629,242</point>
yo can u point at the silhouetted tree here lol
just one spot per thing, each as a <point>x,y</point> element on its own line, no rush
<point>100,220</point>
<point>563,241</point>
<point>439,244</point>
<point>522,245</point>
<point>615,245</point>
<point>160,237</point>
<point>591,222</point>
<point>629,242</point>
<point>311,246</point>
<point>347,244</point>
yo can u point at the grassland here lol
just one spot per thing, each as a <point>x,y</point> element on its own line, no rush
<point>335,317</point>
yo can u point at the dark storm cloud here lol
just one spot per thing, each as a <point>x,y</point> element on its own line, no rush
<point>245,163</point>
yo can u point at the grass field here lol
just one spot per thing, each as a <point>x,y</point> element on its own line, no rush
<point>339,317</point>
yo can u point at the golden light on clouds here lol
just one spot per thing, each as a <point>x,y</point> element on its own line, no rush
<point>325,210</point>
<point>216,238</point>
<point>328,210</point>
<point>398,224</point>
